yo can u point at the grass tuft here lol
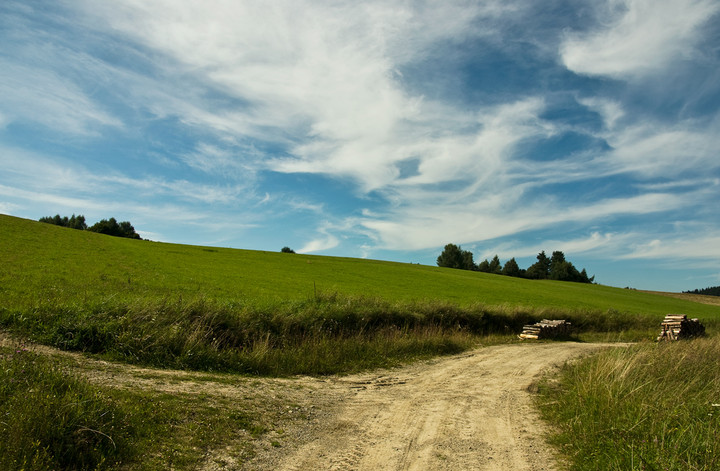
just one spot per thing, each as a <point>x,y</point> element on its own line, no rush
<point>51,420</point>
<point>650,406</point>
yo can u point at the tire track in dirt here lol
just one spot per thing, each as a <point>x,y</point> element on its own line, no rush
<point>470,412</point>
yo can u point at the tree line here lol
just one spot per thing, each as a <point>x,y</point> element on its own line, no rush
<point>556,267</point>
<point>105,226</point>
<point>711,291</point>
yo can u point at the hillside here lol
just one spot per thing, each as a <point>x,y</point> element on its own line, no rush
<point>225,311</point>
<point>45,262</point>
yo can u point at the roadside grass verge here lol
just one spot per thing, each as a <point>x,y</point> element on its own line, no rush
<point>52,418</point>
<point>649,406</point>
<point>328,334</point>
<point>51,421</point>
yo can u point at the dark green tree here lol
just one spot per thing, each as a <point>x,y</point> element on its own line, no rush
<point>287,249</point>
<point>560,269</point>
<point>539,270</point>
<point>511,268</point>
<point>468,262</point>
<point>584,277</point>
<point>495,266</point>
<point>75,222</point>
<point>484,266</point>
<point>453,256</point>
<point>113,228</point>
<point>563,270</point>
<point>709,291</point>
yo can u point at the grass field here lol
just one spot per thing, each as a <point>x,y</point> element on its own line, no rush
<point>43,262</point>
<point>646,407</point>
<point>269,313</point>
<point>52,417</point>
<point>275,313</point>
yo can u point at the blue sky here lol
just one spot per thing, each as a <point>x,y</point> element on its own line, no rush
<point>379,129</point>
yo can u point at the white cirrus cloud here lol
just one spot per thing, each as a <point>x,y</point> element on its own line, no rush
<point>638,37</point>
<point>37,95</point>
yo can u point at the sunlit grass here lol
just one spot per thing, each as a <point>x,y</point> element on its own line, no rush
<point>43,264</point>
<point>650,406</point>
<point>275,313</point>
<point>52,418</point>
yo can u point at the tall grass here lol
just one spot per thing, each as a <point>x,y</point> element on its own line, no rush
<point>330,333</point>
<point>651,407</point>
<point>50,420</point>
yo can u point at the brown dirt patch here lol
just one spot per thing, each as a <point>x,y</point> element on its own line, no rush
<point>472,411</point>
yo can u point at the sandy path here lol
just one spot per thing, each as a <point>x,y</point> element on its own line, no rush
<point>470,412</point>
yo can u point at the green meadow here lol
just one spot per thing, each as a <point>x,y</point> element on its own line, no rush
<point>223,311</point>
<point>42,262</point>
<point>275,313</point>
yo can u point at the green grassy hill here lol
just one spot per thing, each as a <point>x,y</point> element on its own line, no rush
<point>46,262</point>
<point>216,308</point>
<point>279,314</point>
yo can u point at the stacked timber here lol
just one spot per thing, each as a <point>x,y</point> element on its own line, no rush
<point>546,329</point>
<point>678,326</point>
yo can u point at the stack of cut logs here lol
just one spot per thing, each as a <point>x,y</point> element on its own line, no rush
<point>678,326</point>
<point>546,329</point>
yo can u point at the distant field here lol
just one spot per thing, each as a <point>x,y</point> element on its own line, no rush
<point>251,311</point>
<point>45,262</point>
<point>697,298</point>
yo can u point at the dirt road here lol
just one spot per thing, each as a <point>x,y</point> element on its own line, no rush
<point>469,412</point>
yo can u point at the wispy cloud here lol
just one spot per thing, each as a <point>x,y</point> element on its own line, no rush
<point>657,150</point>
<point>637,37</point>
<point>35,95</point>
<point>416,124</point>
<point>325,241</point>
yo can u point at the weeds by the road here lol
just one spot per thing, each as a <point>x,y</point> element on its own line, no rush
<point>54,419</point>
<point>650,407</point>
<point>49,420</point>
<point>326,334</point>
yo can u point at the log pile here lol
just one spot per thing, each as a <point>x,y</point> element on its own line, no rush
<point>546,329</point>
<point>678,326</point>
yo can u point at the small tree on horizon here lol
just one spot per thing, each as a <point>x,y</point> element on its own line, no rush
<point>74,222</point>
<point>453,256</point>
<point>495,265</point>
<point>113,228</point>
<point>287,249</point>
<point>512,268</point>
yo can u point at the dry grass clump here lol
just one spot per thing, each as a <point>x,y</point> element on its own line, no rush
<point>651,406</point>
